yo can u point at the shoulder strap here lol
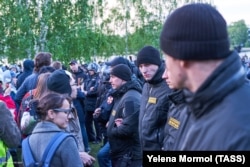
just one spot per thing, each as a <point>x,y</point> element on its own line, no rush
<point>48,153</point>
<point>52,147</point>
<point>27,154</point>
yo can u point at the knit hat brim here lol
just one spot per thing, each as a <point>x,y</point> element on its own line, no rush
<point>122,71</point>
<point>148,55</point>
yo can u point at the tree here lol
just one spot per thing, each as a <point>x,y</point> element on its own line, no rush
<point>80,29</point>
<point>238,33</point>
<point>31,26</point>
<point>248,38</point>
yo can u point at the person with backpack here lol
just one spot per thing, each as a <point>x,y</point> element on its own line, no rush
<point>41,59</point>
<point>54,110</point>
<point>27,116</point>
<point>62,82</point>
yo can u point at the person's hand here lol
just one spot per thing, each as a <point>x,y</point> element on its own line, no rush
<point>97,112</point>
<point>14,80</point>
<point>92,88</point>
<point>107,124</point>
<point>7,91</point>
<point>82,87</point>
<point>118,121</point>
<point>86,158</point>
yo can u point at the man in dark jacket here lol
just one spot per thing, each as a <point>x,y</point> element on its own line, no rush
<point>216,91</point>
<point>135,71</point>
<point>176,115</point>
<point>176,119</point>
<point>122,128</point>
<point>91,92</point>
<point>78,73</point>
<point>154,101</point>
<point>28,66</point>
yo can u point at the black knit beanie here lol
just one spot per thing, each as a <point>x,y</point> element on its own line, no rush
<point>195,32</point>
<point>122,71</point>
<point>148,55</point>
<point>59,82</point>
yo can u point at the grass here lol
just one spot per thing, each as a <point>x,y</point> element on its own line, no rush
<point>94,150</point>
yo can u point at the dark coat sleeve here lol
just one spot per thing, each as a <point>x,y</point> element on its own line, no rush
<point>130,116</point>
<point>9,131</point>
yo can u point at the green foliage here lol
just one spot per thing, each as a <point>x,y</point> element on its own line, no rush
<point>238,33</point>
<point>248,38</point>
<point>78,29</point>
<point>146,35</point>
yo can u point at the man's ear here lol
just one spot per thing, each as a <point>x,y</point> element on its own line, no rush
<point>184,64</point>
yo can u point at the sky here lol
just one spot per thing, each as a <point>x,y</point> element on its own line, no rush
<point>234,10</point>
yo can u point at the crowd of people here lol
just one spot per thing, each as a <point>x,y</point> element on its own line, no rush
<point>194,98</point>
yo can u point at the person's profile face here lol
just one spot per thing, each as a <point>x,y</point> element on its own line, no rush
<point>115,82</point>
<point>173,73</point>
<point>61,119</point>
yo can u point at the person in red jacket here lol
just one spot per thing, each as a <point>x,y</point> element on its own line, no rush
<point>9,102</point>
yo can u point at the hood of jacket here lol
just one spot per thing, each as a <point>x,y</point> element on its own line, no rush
<point>28,65</point>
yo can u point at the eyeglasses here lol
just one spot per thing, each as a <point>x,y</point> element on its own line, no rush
<point>66,111</point>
